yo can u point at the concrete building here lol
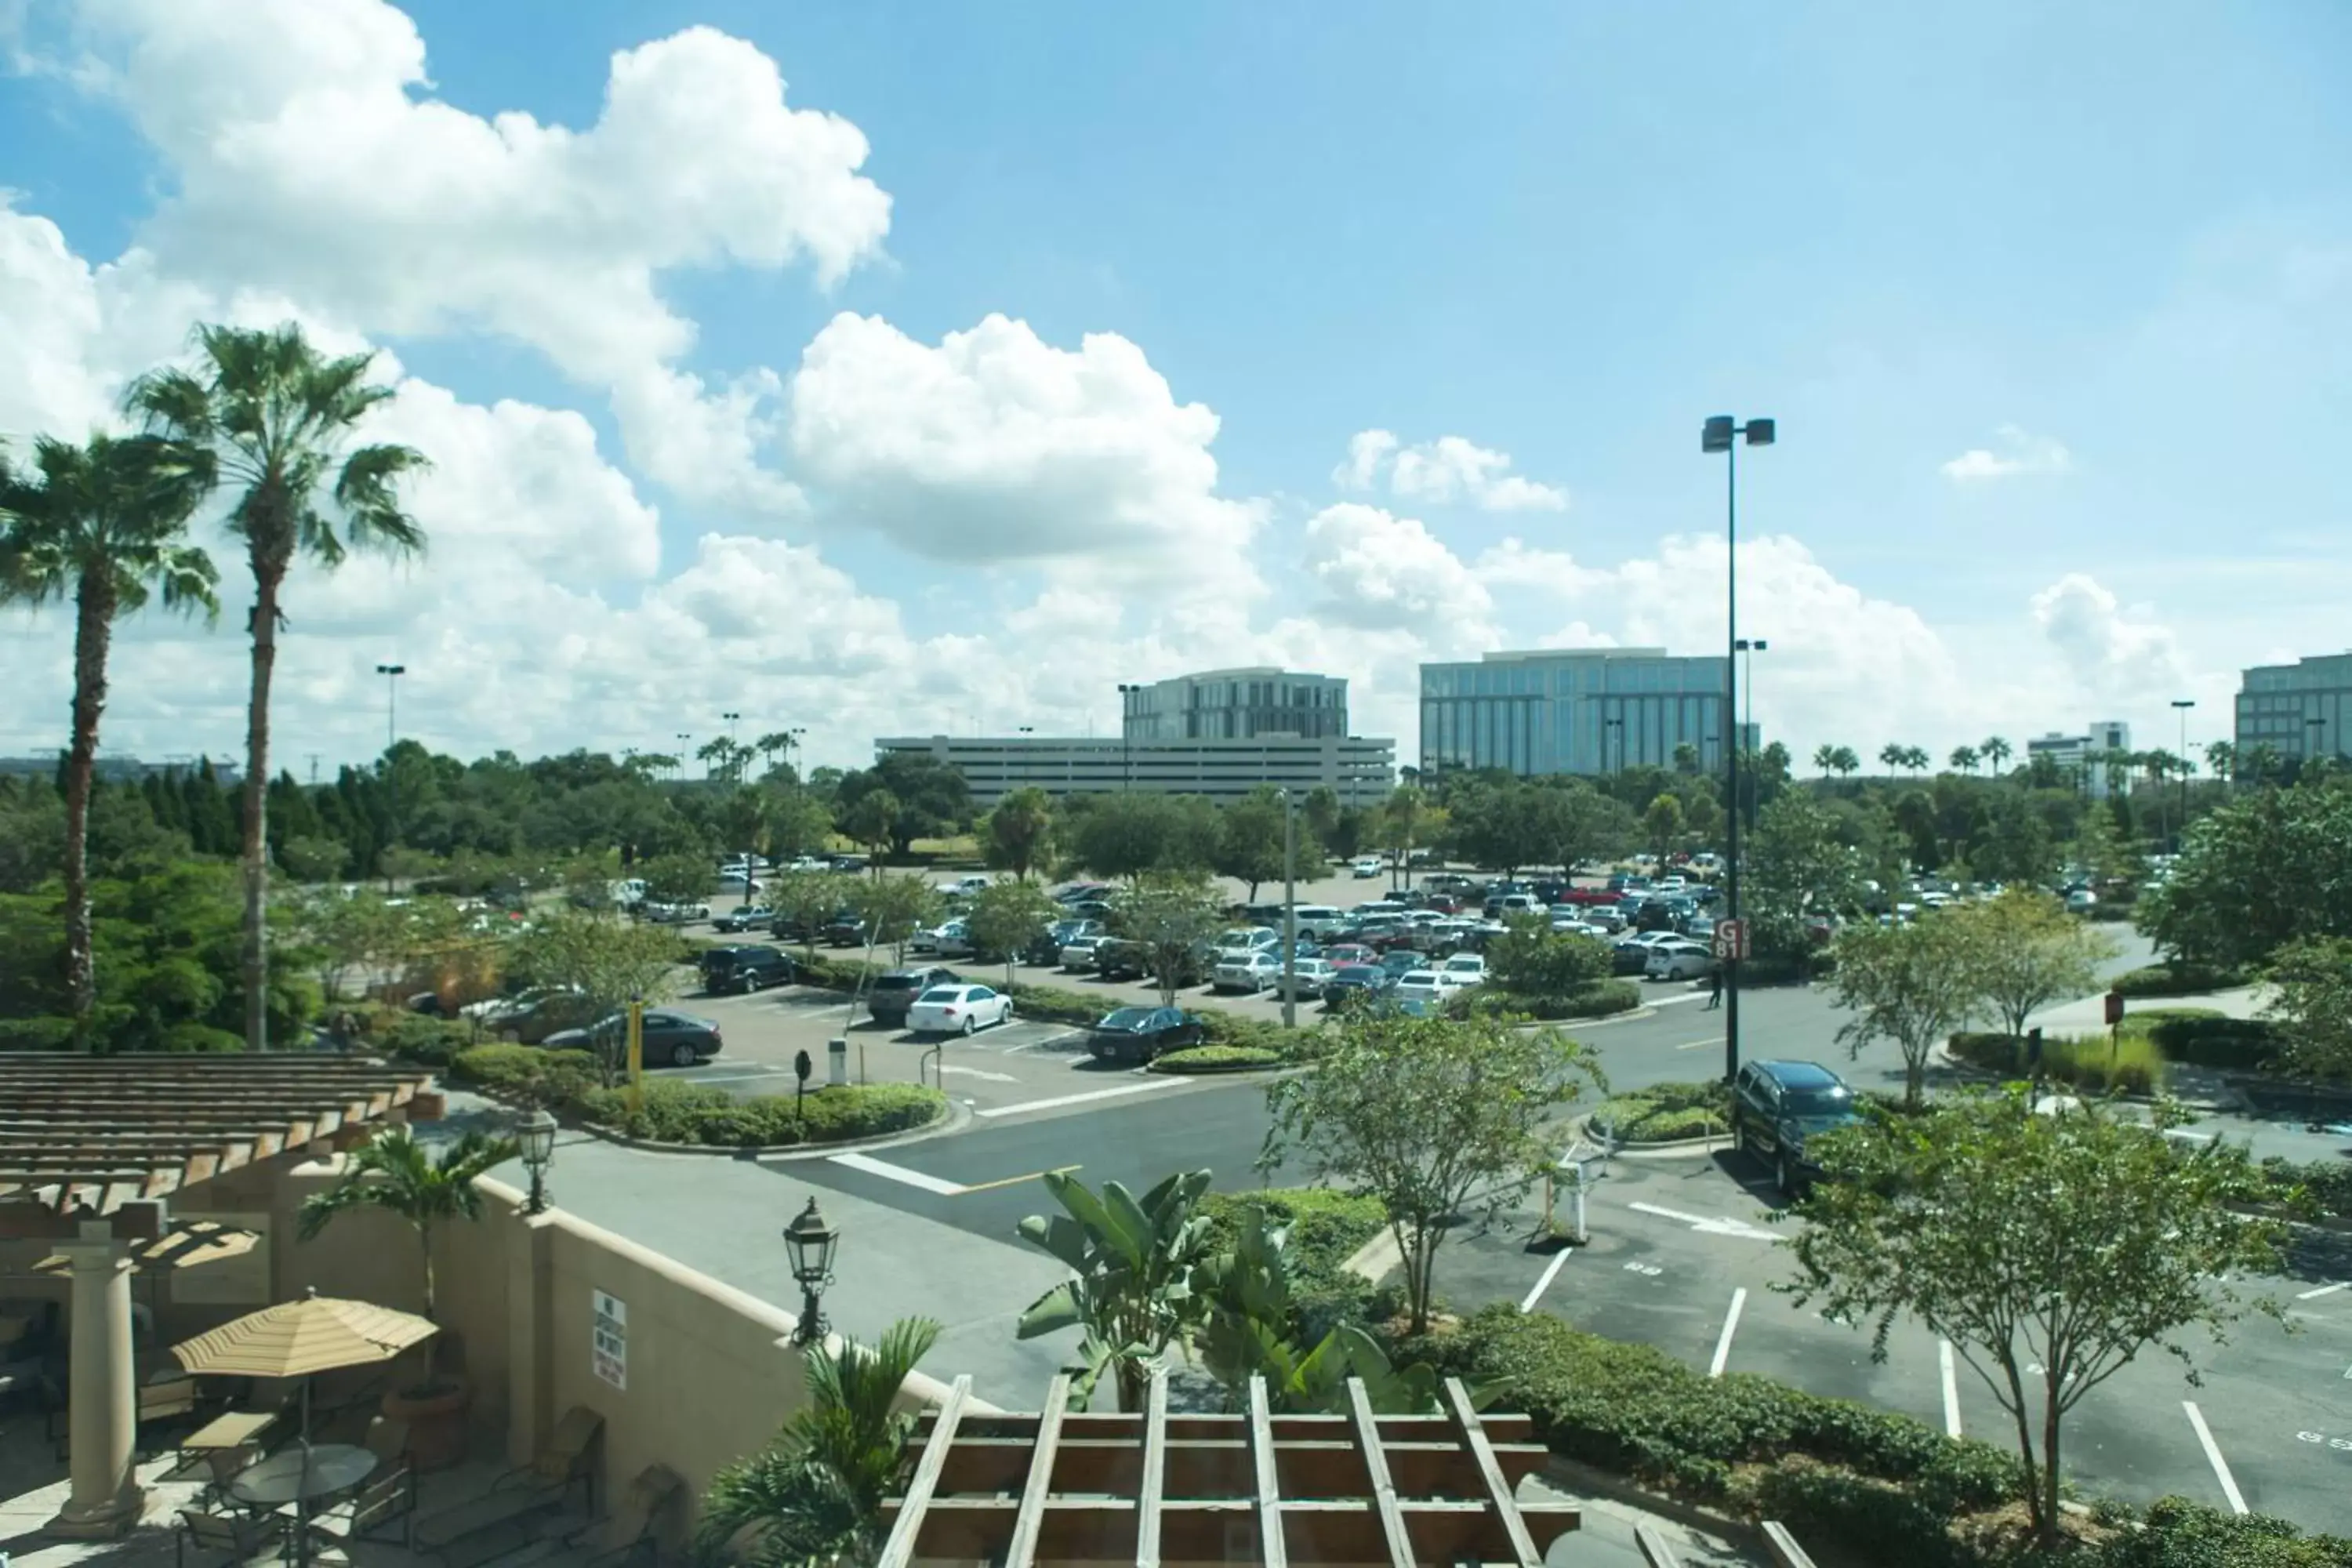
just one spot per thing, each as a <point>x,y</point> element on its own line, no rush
<point>1359,771</point>
<point>1571,710</point>
<point>2297,710</point>
<point>1236,705</point>
<point>2079,756</point>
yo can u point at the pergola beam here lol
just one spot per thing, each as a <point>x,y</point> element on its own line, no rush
<point>1022,1551</point>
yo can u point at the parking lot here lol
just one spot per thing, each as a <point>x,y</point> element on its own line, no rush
<point>1684,1256</point>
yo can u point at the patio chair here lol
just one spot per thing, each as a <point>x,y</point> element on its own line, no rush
<point>648,1499</point>
<point>506,1515</point>
<point>169,1403</point>
<point>243,1538</point>
<point>385,1502</point>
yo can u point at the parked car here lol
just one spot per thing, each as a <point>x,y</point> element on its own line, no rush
<point>535,1015</point>
<point>1680,958</point>
<point>1366,867</point>
<point>681,1039</point>
<point>1077,954</point>
<point>1247,938</point>
<point>845,929</point>
<point>949,939</point>
<point>1350,952</point>
<point>1777,1107</point>
<point>1252,972</point>
<point>1047,949</point>
<point>1307,980</point>
<point>1319,922</point>
<point>1353,984</point>
<point>894,994</point>
<point>1139,1034</point>
<point>2082,902</point>
<point>746,969</point>
<point>673,914</point>
<point>1398,961</point>
<point>958,1010</point>
<point>1471,967</point>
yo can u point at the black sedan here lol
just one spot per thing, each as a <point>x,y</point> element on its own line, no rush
<point>1352,984</point>
<point>681,1039</point>
<point>1139,1034</point>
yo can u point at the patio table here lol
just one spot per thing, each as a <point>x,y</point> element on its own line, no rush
<point>302,1474</point>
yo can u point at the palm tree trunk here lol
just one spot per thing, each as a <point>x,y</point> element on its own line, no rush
<point>92,628</point>
<point>267,577</point>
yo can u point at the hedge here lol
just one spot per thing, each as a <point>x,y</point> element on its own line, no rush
<point>2239,1045</point>
<point>2132,1064</point>
<point>2176,979</point>
<point>2327,1184</point>
<point>1598,1000</point>
<point>1326,1228</point>
<point>1835,1471</point>
<point>1664,1112</point>
<point>1217,1058</point>
<point>413,1037</point>
<point>673,1112</point>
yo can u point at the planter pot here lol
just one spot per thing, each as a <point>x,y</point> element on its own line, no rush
<point>436,1421</point>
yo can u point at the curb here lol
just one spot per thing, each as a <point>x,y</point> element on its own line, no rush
<point>1583,1126</point>
<point>1219,1070</point>
<point>954,1115</point>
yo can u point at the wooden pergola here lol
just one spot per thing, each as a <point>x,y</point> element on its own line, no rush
<point>82,1137</point>
<point>1069,1487</point>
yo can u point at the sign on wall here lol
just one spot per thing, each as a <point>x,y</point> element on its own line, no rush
<point>608,1340</point>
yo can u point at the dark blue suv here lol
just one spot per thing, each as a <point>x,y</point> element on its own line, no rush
<point>1777,1107</point>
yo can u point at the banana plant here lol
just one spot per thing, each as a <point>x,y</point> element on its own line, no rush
<point>1132,1262</point>
<point>1250,1332</point>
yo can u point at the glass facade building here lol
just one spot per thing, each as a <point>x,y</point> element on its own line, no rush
<point>1571,710</point>
<point>2297,709</point>
<point>1236,705</point>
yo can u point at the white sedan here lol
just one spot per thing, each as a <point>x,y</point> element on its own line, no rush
<point>1079,953</point>
<point>1470,967</point>
<point>1250,972</point>
<point>1680,958</point>
<point>958,1010</point>
<point>1366,867</point>
<point>1431,983</point>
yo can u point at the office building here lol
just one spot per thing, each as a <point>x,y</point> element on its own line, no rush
<point>2084,756</point>
<point>1236,705</point>
<point>1571,710</point>
<point>1359,772</point>
<point>2297,709</point>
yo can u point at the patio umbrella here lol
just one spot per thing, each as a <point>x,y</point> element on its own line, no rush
<point>300,1339</point>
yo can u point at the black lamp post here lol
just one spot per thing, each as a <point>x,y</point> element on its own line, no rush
<point>811,1242</point>
<point>2181,705</point>
<point>537,1141</point>
<point>392,673</point>
<point>1716,435</point>
<point>1127,694</point>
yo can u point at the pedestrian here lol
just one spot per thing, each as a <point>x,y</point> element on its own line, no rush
<point>1715,988</point>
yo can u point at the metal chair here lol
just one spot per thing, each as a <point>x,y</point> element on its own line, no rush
<point>242,1537</point>
<point>387,1500</point>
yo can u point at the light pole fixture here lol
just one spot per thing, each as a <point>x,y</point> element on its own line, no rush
<point>683,740</point>
<point>2181,705</point>
<point>811,1242</point>
<point>2311,728</point>
<point>1127,694</point>
<point>1617,724</point>
<point>392,673</point>
<point>733,767</point>
<point>1717,435</point>
<point>537,1141</point>
<point>1289,906</point>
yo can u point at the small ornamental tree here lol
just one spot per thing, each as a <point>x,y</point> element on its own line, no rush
<point>1172,913</point>
<point>2051,1250</point>
<point>1530,959</point>
<point>1250,840</point>
<point>1436,1118</point>
<point>2312,1003</point>
<point>1018,835</point>
<point>2028,953</point>
<point>1007,917</point>
<point>805,900</point>
<point>1912,984</point>
<point>896,907</point>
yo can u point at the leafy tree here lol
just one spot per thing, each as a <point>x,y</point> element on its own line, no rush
<point>1497,825</point>
<point>1172,913</point>
<point>1662,823</point>
<point>805,898</point>
<point>1895,755</point>
<point>1007,917</point>
<point>1252,1332</point>
<point>1250,840</point>
<point>1846,762</point>
<point>1018,835</point>
<point>2312,1003</point>
<point>1407,821</point>
<point>930,798</point>
<point>608,961</point>
<point>2272,866</point>
<point>1914,815</point>
<point>106,526</point>
<point>276,416</point>
<point>1321,818</point>
<point>1825,758</point>
<point>872,821</point>
<point>2221,760</point>
<point>896,907</point>
<point>1911,983</point>
<point>1131,1292</point>
<point>1530,959</point>
<point>678,878</point>
<point>394,1172</point>
<point>1436,1118</point>
<point>1798,868</point>
<point>2016,845</point>
<point>1128,834</point>
<point>2050,1250</point>
<point>814,1494</point>
<point>313,860</point>
<point>794,822</point>
<point>2028,953</point>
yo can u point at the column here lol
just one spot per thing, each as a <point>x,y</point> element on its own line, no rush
<point>106,1500</point>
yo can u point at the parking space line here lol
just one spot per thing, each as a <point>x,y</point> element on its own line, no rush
<point>2213,1456</point>
<point>1730,1325</point>
<point>1061,1100</point>
<point>1950,1369</point>
<point>1694,1045</point>
<point>921,1180</point>
<point>1545,1283</point>
<point>2324,1290</point>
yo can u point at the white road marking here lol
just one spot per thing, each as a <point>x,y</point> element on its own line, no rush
<point>1951,1387</point>
<point>2213,1456</point>
<point>741,1076</point>
<point>1676,1001</point>
<point>2324,1290</point>
<point>1730,1323</point>
<point>1704,1226</point>
<point>1694,1045</point>
<point>1059,1100</point>
<point>1545,1283</point>
<point>979,1072</point>
<point>890,1173</point>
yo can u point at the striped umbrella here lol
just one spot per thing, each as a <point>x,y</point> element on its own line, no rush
<point>296,1339</point>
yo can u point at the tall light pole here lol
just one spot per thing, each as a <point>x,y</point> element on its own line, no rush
<point>1125,746</point>
<point>734,768</point>
<point>1289,909</point>
<point>392,673</point>
<point>1618,725</point>
<point>2181,705</point>
<point>1717,436</point>
<point>1748,648</point>
<point>683,739</point>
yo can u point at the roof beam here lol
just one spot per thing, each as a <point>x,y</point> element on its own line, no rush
<point>1499,1491</point>
<point>1271,1548</point>
<point>1154,1480</point>
<point>899,1551</point>
<point>1021,1551</point>
<point>1376,1471</point>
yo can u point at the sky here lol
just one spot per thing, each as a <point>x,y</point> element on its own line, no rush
<point>889,368</point>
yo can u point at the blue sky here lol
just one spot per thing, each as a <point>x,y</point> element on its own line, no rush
<point>2108,248</point>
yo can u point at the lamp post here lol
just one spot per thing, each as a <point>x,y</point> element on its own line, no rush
<point>734,768</point>
<point>2311,728</point>
<point>1749,647</point>
<point>1716,435</point>
<point>810,1243</point>
<point>2181,705</point>
<point>1289,909</point>
<point>392,673</point>
<point>1618,725</point>
<point>1127,694</point>
<point>537,1141</point>
<point>683,740</point>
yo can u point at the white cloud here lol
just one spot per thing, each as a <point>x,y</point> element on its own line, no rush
<point>1515,565</point>
<point>2020,454</point>
<point>2117,656</point>
<point>1383,572</point>
<point>1442,472</point>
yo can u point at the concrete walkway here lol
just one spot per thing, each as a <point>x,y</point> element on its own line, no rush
<point>2088,1016</point>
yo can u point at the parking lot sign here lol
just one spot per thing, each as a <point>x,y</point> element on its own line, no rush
<point>1731,939</point>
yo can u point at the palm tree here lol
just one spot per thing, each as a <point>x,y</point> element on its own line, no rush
<point>1915,759</point>
<point>105,524</point>
<point>1685,758</point>
<point>1846,762</point>
<point>2221,760</point>
<point>393,1172</point>
<point>1996,752</point>
<point>1825,758</point>
<point>1963,760</point>
<point>278,417</point>
<point>815,1495</point>
<point>1895,754</point>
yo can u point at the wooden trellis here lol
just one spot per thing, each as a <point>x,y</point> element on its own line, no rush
<point>1066,1486</point>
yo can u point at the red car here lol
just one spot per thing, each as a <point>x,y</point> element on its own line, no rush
<point>1349,952</point>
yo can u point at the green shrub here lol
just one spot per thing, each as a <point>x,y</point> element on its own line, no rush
<point>1691,1121</point>
<point>2327,1184</point>
<point>1326,1228</point>
<point>673,1112</point>
<point>2244,1044</point>
<point>2176,979</point>
<point>434,1042</point>
<point>1597,1000</point>
<point>2177,1533</point>
<point>2132,1064</point>
<point>1218,1028</point>
<point>1217,1058</point>
<point>500,1067</point>
<point>1058,1004</point>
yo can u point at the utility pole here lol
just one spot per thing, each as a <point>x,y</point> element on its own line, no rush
<point>392,673</point>
<point>1289,912</point>
<point>1716,435</point>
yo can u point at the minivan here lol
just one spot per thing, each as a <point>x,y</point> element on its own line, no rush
<point>1317,921</point>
